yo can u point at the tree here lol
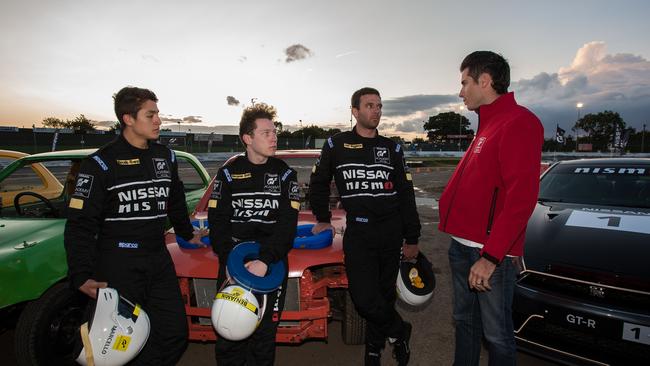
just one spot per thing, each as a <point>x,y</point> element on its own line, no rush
<point>278,126</point>
<point>601,128</point>
<point>418,140</point>
<point>81,124</point>
<point>53,122</point>
<point>446,123</point>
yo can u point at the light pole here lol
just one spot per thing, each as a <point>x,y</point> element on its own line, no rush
<point>643,139</point>
<point>460,124</point>
<point>578,107</point>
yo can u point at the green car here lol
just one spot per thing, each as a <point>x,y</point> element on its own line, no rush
<point>35,190</point>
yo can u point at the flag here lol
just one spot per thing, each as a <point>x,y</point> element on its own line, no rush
<point>559,134</point>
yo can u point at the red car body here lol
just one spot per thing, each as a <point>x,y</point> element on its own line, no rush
<point>313,274</point>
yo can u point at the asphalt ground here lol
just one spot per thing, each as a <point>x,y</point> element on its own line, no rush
<point>432,341</point>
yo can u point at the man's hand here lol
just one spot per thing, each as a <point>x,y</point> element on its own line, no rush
<point>90,287</point>
<point>322,226</point>
<point>198,234</point>
<point>479,275</point>
<point>410,251</point>
<point>257,267</point>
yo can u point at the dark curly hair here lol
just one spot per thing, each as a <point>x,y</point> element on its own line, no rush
<point>251,114</point>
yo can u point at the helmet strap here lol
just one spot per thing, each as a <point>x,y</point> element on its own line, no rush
<point>88,348</point>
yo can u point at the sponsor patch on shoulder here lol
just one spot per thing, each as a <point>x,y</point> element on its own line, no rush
<point>212,203</point>
<point>128,161</point>
<point>409,176</point>
<point>100,162</point>
<point>84,185</point>
<point>295,205</point>
<point>76,203</point>
<point>479,144</point>
<point>241,176</point>
<point>353,146</point>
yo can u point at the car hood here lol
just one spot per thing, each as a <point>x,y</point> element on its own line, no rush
<point>16,234</point>
<point>203,263</point>
<point>584,238</point>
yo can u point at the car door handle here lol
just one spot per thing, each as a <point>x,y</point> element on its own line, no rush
<point>25,245</point>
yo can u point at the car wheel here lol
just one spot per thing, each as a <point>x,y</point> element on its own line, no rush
<point>354,326</point>
<point>47,327</point>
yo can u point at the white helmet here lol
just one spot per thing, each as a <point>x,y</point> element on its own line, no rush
<point>236,312</point>
<point>116,333</point>
<point>416,281</point>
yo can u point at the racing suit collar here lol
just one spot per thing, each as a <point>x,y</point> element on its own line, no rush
<point>131,148</point>
<point>488,111</point>
<point>354,131</point>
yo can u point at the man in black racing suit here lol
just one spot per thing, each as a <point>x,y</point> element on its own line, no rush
<point>255,197</point>
<point>114,235</point>
<point>377,194</point>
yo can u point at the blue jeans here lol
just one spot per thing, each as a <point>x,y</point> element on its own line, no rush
<point>482,313</point>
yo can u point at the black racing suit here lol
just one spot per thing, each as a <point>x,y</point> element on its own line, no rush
<point>376,191</point>
<point>115,233</point>
<point>251,202</point>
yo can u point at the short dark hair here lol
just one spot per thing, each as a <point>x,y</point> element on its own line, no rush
<point>493,64</point>
<point>251,114</point>
<point>356,97</point>
<point>129,100</point>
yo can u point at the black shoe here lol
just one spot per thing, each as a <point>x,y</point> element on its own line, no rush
<point>373,355</point>
<point>401,350</point>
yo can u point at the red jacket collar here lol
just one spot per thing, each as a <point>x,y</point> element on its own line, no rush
<point>503,102</point>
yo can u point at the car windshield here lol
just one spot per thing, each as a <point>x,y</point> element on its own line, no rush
<point>38,190</point>
<point>610,185</point>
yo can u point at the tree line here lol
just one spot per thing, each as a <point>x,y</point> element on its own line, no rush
<point>604,131</point>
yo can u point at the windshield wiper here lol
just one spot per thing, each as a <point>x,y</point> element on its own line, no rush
<point>549,200</point>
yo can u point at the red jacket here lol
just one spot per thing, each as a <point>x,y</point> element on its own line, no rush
<point>493,191</point>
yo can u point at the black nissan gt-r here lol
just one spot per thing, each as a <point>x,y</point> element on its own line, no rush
<point>584,294</point>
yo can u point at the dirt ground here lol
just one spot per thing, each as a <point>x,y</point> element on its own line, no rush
<point>432,341</point>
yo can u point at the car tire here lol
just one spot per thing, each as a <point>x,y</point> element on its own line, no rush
<point>47,327</point>
<point>353,326</point>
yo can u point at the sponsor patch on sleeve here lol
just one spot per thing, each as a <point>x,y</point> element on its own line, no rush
<point>212,204</point>
<point>295,205</point>
<point>294,191</point>
<point>409,176</point>
<point>76,203</point>
<point>216,190</point>
<point>84,185</point>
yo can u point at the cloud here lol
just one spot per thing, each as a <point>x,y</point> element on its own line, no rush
<point>346,54</point>
<point>192,119</point>
<point>150,58</point>
<point>170,119</point>
<point>242,59</point>
<point>618,82</point>
<point>297,52</point>
<point>407,105</point>
<point>232,100</point>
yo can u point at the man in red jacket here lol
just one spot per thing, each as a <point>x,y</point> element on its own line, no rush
<point>485,208</point>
